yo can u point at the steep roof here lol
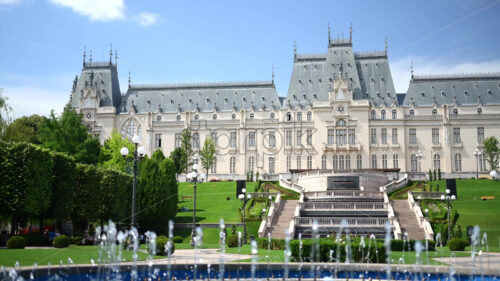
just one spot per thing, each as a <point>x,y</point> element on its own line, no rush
<point>446,89</point>
<point>203,97</point>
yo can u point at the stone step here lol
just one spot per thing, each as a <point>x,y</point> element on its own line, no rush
<point>283,221</point>
<point>408,220</point>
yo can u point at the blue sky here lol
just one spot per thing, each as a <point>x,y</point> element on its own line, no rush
<point>188,41</point>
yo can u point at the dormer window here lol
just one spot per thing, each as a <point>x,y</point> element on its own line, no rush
<point>412,112</point>
<point>299,116</point>
<point>309,116</point>
<point>171,101</point>
<point>422,94</point>
<point>443,94</point>
<point>490,92</point>
<point>225,100</point>
<point>158,118</point>
<point>288,117</point>
<point>178,118</point>
<point>214,117</point>
<point>455,111</point>
<point>479,111</point>
<point>233,116</point>
<point>383,114</point>
<point>394,114</point>
<point>466,93</point>
<point>196,118</point>
<point>190,101</point>
<point>272,115</point>
<point>372,115</point>
<point>251,116</point>
<point>434,112</point>
<point>208,100</point>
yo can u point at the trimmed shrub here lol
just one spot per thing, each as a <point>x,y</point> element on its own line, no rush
<point>35,239</point>
<point>61,241</point>
<point>457,244</point>
<point>232,241</point>
<point>397,245</point>
<point>77,240</point>
<point>276,244</point>
<point>16,242</point>
<point>161,243</point>
<point>177,239</point>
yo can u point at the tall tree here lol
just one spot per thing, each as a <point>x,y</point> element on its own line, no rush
<point>492,152</point>
<point>187,150</point>
<point>5,111</point>
<point>110,156</point>
<point>176,156</point>
<point>24,129</point>
<point>68,134</point>
<point>208,153</point>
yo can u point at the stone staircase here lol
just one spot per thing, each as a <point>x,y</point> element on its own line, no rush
<point>283,219</point>
<point>407,220</point>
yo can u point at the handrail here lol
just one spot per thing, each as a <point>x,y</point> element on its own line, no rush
<point>338,221</point>
<point>345,193</point>
<point>275,207</point>
<point>311,205</point>
<point>422,221</point>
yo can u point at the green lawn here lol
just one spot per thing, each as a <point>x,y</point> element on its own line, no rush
<point>211,202</point>
<point>79,255</point>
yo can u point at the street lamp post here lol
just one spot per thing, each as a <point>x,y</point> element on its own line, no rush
<point>477,154</point>
<point>244,197</point>
<point>194,177</point>
<point>448,198</point>
<point>139,153</point>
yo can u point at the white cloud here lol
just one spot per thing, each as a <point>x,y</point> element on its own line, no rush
<point>9,2</point>
<point>146,18</point>
<point>96,10</point>
<point>400,69</point>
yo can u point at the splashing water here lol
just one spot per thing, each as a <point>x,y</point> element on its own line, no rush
<point>222,243</point>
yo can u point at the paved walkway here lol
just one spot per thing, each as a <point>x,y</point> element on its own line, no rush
<point>486,263</point>
<point>205,256</point>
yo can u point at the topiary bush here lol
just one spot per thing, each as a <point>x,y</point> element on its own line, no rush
<point>161,243</point>
<point>232,241</point>
<point>457,244</point>
<point>61,241</point>
<point>35,239</point>
<point>16,242</point>
<point>77,240</point>
<point>177,239</point>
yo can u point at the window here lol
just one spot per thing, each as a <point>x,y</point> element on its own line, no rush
<point>232,165</point>
<point>271,165</point>
<point>395,161</point>
<point>341,137</point>
<point>413,136</point>
<point>178,118</point>
<point>299,116</point>
<point>373,136</point>
<point>331,136</point>
<point>458,162</point>
<point>348,162</point>
<point>394,114</point>
<point>233,116</point>
<point>479,111</point>
<point>158,140</point>
<point>456,135</point>
<point>309,162</point>
<point>341,123</point>
<point>213,136</point>
<point>480,135</point>
<point>383,133</point>
<point>131,131</point>
<point>288,137</point>
<point>335,162</point>
<point>232,139</point>
<point>352,136</point>
<point>272,139</point>
<point>251,139</point>
<point>298,142</point>
<point>372,116</point>
<point>482,162</point>
<point>383,115</point>
<point>288,116</point>
<point>359,162</point>
<point>178,137</point>
<point>251,163</point>
<point>158,118</point>
<point>288,163</point>
<point>309,137</point>
<point>341,162</point>
<point>435,135</point>
<point>455,111</point>
<point>323,162</point>
<point>394,136</point>
<point>434,112</point>
<point>272,115</point>
<point>299,162</point>
<point>413,163</point>
<point>437,161</point>
<point>213,169</point>
<point>384,161</point>
<point>374,161</point>
<point>196,118</point>
<point>412,112</point>
<point>251,116</point>
<point>309,116</point>
<point>214,117</point>
<point>196,140</point>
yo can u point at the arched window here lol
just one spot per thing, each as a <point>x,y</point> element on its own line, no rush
<point>348,162</point>
<point>323,162</point>
<point>374,161</point>
<point>233,116</point>
<point>251,163</point>
<point>288,117</point>
<point>309,162</point>
<point>437,161</point>
<point>131,128</point>
<point>384,161</point>
<point>178,118</point>
<point>394,114</point>
<point>309,116</point>
<point>158,118</point>
<point>434,112</point>
<point>412,112</point>
<point>196,117</point>
<point>341,162</point>
<point>214,117</point>
<point>383,115</point>
<point>251,116</point>
<point>335,162</point>
<point>232,165</point>
<point>271,165</point>
<point>458,162</point>
<point>272,115</point>
<point>299,116</point>
<point>341,123</point>
<point>372,116</point>
<point>413,163</point>
<point>479,111</point>
<point>395,161</point>
<point>455,111</point>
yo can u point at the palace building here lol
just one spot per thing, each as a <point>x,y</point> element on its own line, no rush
<point>341,113</point>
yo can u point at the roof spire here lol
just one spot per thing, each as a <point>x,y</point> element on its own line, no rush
<point>116,58</point>
<point>411,69</point>
<point>294,49</point>
<point>90,58</point>
<point>84,53</point>
<point>329,34</point>
<point>273,74</point>
<point>350,33</point>
<point>386,46</point>
<point>129,80</point>
<point>110,53</point>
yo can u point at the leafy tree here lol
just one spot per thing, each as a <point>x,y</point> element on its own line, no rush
<point>176,156</point>
<point>110,156</point>
<point>186,149</point>
<point>492,152</point>
<point>207,154</point>
<point>115,189</point>
<point>68,134</point>
<point>5,111</point>
<point>24,129</point>
<point>430,175</point>
<point>157,193</point>
<point>434,175</point>
<point>86,196</point>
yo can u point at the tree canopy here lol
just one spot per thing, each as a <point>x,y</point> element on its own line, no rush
<point>110,156</point>
<point>24,129</point>
<point>492,152</point>
<point>208,153</point>
<point>5,111</point>
<point>186,149</point>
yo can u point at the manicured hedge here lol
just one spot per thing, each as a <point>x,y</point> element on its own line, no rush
<point>161,242</point>
<point>16,242</point>
<point>177,239</point>
<point>61,241</point>
<point>232,241</point>
<point>276,244</point>
<point>397,245</point>
<point>457,244</point>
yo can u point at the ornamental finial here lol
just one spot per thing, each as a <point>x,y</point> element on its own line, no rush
<point>129,80</point>
<point>84,54</point>
<point>350,33</point>
<point>272,75</point>
<point>110,53</point>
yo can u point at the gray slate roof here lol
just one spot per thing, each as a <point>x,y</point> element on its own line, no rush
<point>466,89</point>
<point>368,73</point>
<point>203,97</point>
<point>103,76</point>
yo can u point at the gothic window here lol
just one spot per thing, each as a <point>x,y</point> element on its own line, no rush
<point>479,111</point>
<point>178,118</point>
<point>374,161</point>
<point>341,123</point>
<point>309,116</point>
<point>359,162</point>
<point>383,115</point>
<point>434,112</point>
<point>412,112</point>
<point>384,161</point>
<point>335,162</point>
<point>131,128</point>
<point>372,115</point>
<point>348,162</point>
<point>341,162</point>
<point>299,116</point>
<point>394,114</point>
